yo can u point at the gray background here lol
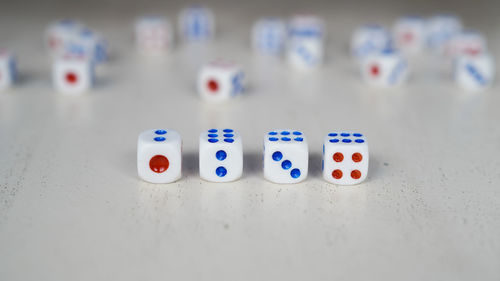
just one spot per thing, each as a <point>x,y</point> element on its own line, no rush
<point>73,208</point>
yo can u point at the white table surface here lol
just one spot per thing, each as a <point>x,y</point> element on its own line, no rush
<point>73,208</point>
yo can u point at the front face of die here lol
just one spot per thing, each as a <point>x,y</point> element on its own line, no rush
<point>73,76</point>
<point>268,36</point>
<point>345,158</point>
<point>286,156</point>
<point>474,72</point>
<point>409,34</point>
<point>59,33</point>
<point>159,156</point>
<point>369,39</point>
<point>440,29</point>
<point>153,34</point>
<point>196,23</point>
<point>221,155</point>
<point>386,69</point>
<point>220,81</point>
<point>304,53</point>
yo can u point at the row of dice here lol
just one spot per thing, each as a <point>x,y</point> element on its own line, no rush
<point>442,34</point>
<point>381,55</point>
<point>154,34</point>
<point>286,156</point>
<point>72,38</point>
<point>303,38</point>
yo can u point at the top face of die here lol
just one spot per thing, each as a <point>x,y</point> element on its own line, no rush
<point>285,137</point>
<point>345,138</point>
<point>221,136</point>
<point>159,137</point>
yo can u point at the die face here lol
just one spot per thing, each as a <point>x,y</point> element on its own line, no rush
<point>440,29</point>
<point>369,39</point>
<point>219,81</point>
<point>221,155</point>
<point>153,34</point>
<point>73,75</point>
<point>7,70</point>
<point>468,43</point>
<point>69,37</point>
<point>474,72</point>
<point>306,42</point>
<point>305,53</point>
<point>86,43</point>
<point>286,156</point>
<point>196,23</point>
<point>409,34</point>
<point>159,157</point>
<point>60,32</point>
<point>269,35</point>
<point>345,158</point>
<point>89,44</point>
<point>385,69</point>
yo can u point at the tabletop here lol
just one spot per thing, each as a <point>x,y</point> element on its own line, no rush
<point>73,208</point>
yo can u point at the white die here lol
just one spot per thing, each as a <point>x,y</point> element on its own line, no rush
<point>466,42</point>
<point>440,29</point>
<point>387,68</point>
<point>345,158</point>
<point>153,34</point>
<point>220,80</point>
<point>159,158</point>
<point>8,70</point>
<point>59,33</point>
<point>474,72</point>
<point>409,34</point>
<point>73,75</point>
<point>369,39</point>
<point>221,155</point>
<point>88,44</point>
<point>286,156</point>
<point>269,36</point>
<point>196,23</point>
<point>306,42</point>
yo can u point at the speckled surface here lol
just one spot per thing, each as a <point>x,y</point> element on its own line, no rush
<point>73,208</point>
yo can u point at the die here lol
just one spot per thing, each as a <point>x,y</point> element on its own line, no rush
<point>474,72</point>
<point>159,158</point>
<point>221,155</point>
<point>196,23</point>
<point>306,42</point>
<point>86,43</point>
<point>286,156</point>
<point>153,34</point>
<point>220,80</point>
<point>8,70</point>
<point>387,68</point>
<point>73,75</point>
<point>369,39</point>
<point>466,42</point>
<point>345,158</point>
<point>269,36</point>
<point>59,33</point>
<point>440,29</point>
<point>409,34</point>
<point>70,37</point>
